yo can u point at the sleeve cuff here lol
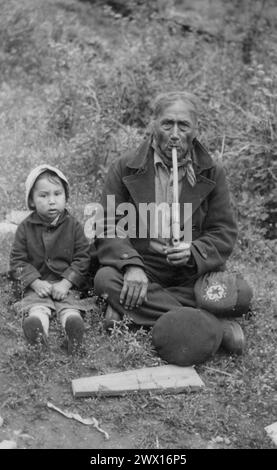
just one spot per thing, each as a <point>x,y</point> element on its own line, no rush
<point>130,261</point>
<point>73,277</point>
<point>25,278</point>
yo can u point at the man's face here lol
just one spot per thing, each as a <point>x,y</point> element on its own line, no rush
<point>175,127</point>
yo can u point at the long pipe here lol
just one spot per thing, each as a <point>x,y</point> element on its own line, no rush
<point>175,205</point>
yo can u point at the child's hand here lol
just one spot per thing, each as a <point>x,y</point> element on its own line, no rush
<point>42,288</point>
<point>60,289</point>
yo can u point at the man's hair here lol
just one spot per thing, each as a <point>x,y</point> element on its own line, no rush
<point>164,100</point>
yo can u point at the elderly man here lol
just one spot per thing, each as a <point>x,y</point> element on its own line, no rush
<point>180,288</point>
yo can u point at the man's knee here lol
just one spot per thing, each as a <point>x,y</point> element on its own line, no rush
<point>245,294</point>
<point>105,280</point>
<point>224,294</point>
<point>186,336</point>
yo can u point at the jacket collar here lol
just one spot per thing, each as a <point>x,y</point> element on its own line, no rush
<point>34,218</point>
<point>140,184</point>
<point>139,160</point>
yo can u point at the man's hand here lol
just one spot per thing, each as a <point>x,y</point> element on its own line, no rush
<point>134,288</point>
<point>42,288</point>
<point>178,255</point>
<point>60,289</point>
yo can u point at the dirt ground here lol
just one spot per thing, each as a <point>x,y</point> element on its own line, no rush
<point>29,422</point>
<point>68,102</point>
<point>230,412</point>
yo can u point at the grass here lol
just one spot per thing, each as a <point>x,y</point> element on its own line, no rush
<point>76,85</point>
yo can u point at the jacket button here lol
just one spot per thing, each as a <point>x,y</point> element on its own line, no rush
<point>124,256</point>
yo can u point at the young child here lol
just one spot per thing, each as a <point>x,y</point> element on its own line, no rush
<point>50,257</point>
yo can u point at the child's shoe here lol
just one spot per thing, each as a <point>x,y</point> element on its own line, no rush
<point>33,331</point>
<point>74,328</point>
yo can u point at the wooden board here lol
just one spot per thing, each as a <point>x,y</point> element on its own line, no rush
<point>169,378</point>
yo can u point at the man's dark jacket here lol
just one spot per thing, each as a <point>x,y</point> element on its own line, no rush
<point>132,179</point>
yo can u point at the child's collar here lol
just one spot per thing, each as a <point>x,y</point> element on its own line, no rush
<point>37,219</point>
